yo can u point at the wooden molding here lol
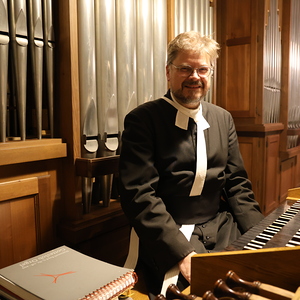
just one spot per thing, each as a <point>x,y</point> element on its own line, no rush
<point>18,188</point>
<point>31,150</point>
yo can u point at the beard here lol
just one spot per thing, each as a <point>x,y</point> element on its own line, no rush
<point>190,96</point>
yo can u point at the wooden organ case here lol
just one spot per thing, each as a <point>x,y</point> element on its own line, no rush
<point>256,84</point>
<point>269,252</point>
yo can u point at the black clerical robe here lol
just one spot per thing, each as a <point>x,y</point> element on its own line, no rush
<point>157,170</point>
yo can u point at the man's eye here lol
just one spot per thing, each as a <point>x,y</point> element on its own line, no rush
<point>185,69</point>
<point>203,70</point>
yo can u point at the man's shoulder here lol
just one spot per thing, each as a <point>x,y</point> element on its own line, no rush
<point>153,106</point>
<point>208,107</point>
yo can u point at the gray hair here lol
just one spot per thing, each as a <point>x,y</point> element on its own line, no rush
<point>195,42</point>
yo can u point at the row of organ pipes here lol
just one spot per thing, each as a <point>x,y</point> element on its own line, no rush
<point>26,35</point>
<point>273,68</point>
<point>272,63</point>
<point>294,87</point>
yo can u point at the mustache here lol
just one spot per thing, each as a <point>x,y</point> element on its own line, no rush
<point>196,83</point>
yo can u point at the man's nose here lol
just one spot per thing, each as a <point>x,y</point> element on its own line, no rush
<point>195,74</point>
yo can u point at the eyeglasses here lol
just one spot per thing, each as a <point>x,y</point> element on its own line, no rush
<point>186,70</point>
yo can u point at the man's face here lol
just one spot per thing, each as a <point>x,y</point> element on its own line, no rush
<point>188,89</point>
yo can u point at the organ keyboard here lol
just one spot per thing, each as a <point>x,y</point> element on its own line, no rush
<point>268,252</point>
<point>278,229</point>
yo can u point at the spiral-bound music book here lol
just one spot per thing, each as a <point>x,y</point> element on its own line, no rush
<point>65,274</point>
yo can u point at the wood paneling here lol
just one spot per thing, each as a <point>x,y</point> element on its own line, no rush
<point>18,188</point>
<point>261,161</point>
<point>31,150</point>
<point>288,172</point>
<point>26,218</point>
<point>19,221</point>
<point>24,227</point>
<point>246,148</point>
<point>238,21</point>
<point>239,89</point>
<point>272,174</point>
<point>237,99</point>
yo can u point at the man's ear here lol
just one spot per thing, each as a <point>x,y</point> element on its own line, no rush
<point>168,72</point>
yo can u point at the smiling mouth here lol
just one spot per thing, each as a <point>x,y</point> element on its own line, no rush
<point>193,86</point>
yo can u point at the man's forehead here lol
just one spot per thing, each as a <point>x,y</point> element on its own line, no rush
<point>192,56</point>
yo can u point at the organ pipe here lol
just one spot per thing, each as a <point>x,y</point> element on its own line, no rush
<point>87,90</point>
<point>19,42</point>
<point>159,45</point>
<point>4,47</point>
<point>36,43</point>
<point>144,51</point>
<point>126,57</point>
<point>106,92</point>
<point>49,44</point>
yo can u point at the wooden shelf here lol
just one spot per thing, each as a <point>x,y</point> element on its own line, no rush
<point>16,152</point>
<point>259,129</point>
<point>290,153</point>
<point>97,166</point>
<point>295,131</point>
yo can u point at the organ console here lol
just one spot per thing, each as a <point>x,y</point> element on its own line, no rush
<point>269,252</point>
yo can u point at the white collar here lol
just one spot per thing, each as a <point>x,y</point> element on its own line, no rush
<point>183,115</point>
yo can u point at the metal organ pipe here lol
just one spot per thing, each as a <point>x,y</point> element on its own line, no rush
<point>106,76</point>
<point>19,42</point>
<point>195,20</point>
<point>144,51</point>
<point>180,11</point>
<point>106,91</point>
<point>159,47</point>
<point>49,43</point>
<point>87,77</point>
<point>126,58</point>
<point>87,89</point>
<point>4,46</point>
<point>36,45</point>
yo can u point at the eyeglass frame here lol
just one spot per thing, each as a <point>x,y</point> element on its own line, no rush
<point>193,70</point>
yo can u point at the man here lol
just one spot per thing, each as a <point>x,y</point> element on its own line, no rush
<point>180,166</point>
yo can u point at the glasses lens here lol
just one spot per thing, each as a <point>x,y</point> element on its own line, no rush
<point>203,71</point>
<point>185,70</point>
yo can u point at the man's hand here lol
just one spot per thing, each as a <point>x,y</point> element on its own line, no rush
<point>185,266</point>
